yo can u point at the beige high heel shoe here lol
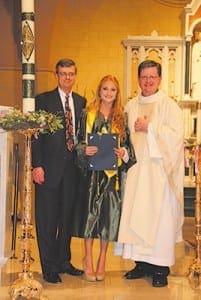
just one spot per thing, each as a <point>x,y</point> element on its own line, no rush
<point>100,276</point>
<point>88,276</point>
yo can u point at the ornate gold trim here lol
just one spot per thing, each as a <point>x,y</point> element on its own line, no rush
<point>27,41</point>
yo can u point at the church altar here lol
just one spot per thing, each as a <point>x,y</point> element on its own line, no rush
<point>6,184</point>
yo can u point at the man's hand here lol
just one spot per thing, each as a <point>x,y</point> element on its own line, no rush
<point>38,175</point>
<point>141,124</point>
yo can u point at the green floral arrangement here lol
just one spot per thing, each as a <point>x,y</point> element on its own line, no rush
<point>41,120</point>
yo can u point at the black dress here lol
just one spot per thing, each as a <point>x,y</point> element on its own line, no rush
<point>98,208</point>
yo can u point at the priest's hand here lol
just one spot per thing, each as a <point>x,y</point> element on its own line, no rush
<point>141,124</point>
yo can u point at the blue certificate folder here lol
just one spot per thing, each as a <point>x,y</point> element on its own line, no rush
<point>105,158</point>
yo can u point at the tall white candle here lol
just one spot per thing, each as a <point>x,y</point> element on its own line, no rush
<point>28,55</point>
<point>27,5</point>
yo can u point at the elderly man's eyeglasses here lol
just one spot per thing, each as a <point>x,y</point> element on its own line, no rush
<point>145,78</point>
<point>64,74</point>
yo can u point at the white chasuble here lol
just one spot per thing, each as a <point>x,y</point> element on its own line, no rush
<point>152,213</point>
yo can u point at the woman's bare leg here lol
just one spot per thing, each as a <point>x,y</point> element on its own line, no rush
<point>100,270</point>
<point>88,260</point>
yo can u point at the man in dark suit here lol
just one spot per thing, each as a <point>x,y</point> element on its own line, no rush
<point>55,175</point>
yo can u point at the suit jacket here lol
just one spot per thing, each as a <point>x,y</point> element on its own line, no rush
<point>49,150</point>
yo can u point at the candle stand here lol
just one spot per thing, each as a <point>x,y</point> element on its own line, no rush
<point>194,275</point>
<point>26,286</point>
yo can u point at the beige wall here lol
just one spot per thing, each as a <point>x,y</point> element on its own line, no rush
<point>88,31</point>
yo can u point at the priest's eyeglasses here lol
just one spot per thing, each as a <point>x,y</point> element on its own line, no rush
<point>146,78</point>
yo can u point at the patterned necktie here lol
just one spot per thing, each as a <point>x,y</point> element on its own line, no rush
<point>69,126</point>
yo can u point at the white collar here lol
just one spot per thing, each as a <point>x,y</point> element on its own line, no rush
<point>62,94</point>
<point>150,99</point>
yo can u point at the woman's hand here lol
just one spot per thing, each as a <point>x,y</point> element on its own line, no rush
<point>91,150</point>
<point>120,152</point>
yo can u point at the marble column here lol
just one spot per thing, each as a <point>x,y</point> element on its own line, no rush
<point>198,129</point>
<point>187,68</point>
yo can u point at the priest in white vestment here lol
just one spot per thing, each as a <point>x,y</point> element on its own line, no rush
<point>153,213</point>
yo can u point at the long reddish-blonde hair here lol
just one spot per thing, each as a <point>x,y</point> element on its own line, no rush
<point>116,114</point>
